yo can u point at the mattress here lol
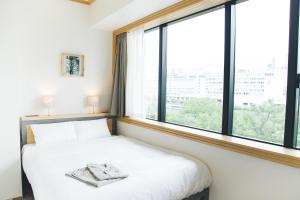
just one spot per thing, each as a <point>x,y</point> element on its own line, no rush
<point>154,173</point>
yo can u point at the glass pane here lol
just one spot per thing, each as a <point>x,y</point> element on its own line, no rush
<point>151,74</point>
<point>195,62</point>
<point>261,69</point>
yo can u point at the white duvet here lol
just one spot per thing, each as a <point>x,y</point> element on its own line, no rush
<point>154,173</point>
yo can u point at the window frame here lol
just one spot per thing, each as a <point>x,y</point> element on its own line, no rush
<point>293,80</point>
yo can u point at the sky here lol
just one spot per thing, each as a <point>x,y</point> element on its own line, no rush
<point>262,33</point>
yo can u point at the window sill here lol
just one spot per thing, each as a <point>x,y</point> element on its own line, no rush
<point>282,155</point>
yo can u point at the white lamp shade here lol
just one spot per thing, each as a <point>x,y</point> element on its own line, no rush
<point>47,101</point>
<point>93,100</point>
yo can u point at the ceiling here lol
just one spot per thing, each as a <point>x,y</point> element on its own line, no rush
<point>110,15</point>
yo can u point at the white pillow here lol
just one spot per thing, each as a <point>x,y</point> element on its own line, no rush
<point>53,133</point>
<point>91,129</point>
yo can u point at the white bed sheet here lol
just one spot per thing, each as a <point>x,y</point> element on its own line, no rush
<point>154,173</point>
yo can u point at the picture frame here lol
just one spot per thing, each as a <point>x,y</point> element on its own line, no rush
<point>72,65</point>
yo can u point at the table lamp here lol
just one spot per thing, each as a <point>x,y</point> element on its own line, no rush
<point>47,101</point>
<point>93,101</point>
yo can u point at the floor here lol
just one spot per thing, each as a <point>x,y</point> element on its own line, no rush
<point>28,197</point>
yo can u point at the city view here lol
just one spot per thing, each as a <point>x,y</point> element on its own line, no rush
<point>252,86</point>
<point>194,98</point>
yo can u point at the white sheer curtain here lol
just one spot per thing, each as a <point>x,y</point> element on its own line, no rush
<point>135,74</point>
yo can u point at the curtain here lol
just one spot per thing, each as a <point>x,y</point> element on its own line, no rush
<point>120,75</point>
<point>135,73</point>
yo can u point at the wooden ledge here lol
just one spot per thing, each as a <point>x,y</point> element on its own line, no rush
<point>282,155</point>
<point>66,116</point>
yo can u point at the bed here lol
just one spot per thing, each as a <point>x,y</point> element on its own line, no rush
<point>154,173</point>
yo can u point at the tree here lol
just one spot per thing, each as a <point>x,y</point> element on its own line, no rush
<point>263,122</point>
<point>73,65</point>
<point>199,113</point>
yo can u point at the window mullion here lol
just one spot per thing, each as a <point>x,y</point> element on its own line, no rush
<point>229,65</point>
<point>162,73</point>
<point>290,129</point>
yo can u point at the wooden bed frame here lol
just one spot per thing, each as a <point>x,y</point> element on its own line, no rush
<point>27,137</point>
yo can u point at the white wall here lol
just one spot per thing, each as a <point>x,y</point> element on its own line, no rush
<point>33,34</point>
<point>236,176</point>
<point>50,28</point>
<point>9,138</point>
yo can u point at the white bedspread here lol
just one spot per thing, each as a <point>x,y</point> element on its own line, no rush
<point>154,173</point>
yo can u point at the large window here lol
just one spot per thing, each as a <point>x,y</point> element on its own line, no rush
<point>261,69</point>
<point>151,74</point>
<point>231,69</point>
<point>195,63</point>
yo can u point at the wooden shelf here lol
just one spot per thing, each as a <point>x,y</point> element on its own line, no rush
<point>65,116</point>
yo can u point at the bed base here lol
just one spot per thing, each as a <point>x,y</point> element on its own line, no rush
<point>204,195</point>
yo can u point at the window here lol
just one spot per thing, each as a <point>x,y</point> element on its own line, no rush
<point>151,74</point>
<point>256,41</point>
<point>195,63</point>
<point>261,69</point>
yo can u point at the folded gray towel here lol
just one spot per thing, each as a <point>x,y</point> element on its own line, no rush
<point>84,175</point>
<point>105,172</point>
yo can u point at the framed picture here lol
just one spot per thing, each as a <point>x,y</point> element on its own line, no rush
<point>72,65</point>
